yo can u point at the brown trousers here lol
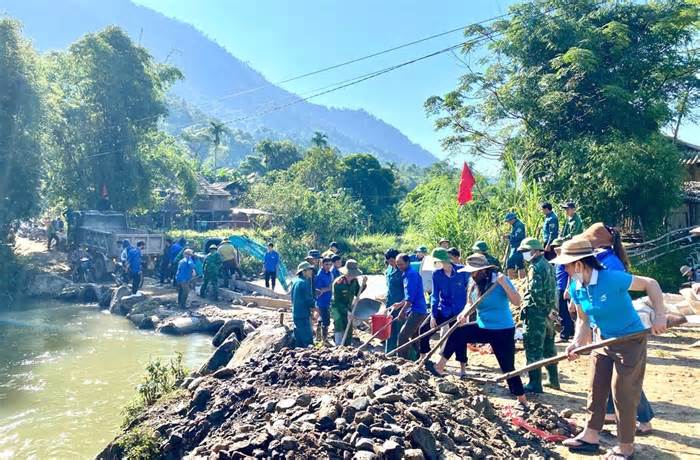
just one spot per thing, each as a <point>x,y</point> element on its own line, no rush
<point>620,368</point>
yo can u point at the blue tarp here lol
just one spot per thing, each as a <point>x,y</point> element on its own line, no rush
<point>257,250</point>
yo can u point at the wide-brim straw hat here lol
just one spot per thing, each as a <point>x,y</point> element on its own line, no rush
<point>303,266</point>
<point>598,235</point>
<point>351,268</point>
<point>475,263</point>
<point>573,250</point>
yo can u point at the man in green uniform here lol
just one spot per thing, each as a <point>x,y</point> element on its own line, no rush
<point>515,237</point>
<point>394,294</point>
<point>302,305</point>
<point>481,247</point>
<point>573,225</point>
<point>345,289</point>
<point>212,268</point>
<point>538,313</point>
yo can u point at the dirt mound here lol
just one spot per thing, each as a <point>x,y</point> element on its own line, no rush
<point>332,403</point>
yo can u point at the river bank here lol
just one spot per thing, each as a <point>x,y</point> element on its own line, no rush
<point>66,373</point>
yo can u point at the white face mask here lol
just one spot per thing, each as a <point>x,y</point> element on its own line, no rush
<point>527,256</point>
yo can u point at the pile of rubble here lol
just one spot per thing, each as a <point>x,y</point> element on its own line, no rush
<point>335,403</point>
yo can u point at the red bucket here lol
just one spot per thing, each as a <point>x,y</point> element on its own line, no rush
<point>381,323</point>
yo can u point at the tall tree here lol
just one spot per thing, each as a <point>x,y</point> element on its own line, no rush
<point>21,112</point>
<point>277,154</point>
<point>319,140</point>
<point>566,83</point>
<point>216,130</point>
<point>377,189</point>
<point>111,94</point>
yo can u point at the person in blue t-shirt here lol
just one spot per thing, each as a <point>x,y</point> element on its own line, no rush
<point>323,284</point>
<point>133,260</point>
<point>494,321</point>
<point>270,263</point>
<point>604,310</point>
<point>610,252</point>
<point>447,300</point>
<point>412,308</point>
<point>183,277</point>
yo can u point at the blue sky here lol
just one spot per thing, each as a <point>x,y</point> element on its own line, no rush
<point>282,39</point>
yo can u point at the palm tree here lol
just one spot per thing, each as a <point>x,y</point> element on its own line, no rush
<point>319,140</point>
<point>216,130</point>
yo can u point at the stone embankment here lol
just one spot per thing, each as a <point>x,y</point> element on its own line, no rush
<point>274,402</point>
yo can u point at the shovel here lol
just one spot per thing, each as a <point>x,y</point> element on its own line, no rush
<point>672,320</point>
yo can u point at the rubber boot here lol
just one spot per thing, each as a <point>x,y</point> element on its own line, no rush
<point>535,383</point>
<point>338,337</point>
<point>553,374</point>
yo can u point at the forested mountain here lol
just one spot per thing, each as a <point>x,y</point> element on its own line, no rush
<point>211,73</point>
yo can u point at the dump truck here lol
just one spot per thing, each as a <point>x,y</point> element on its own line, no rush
<point>102,233</point>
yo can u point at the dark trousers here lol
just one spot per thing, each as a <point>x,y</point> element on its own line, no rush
<point>135,282</point>
<point>270,279</point>
<point>567,324</point>
<point>409,331</point>
<point>230,267</point>
<point>214,282</point>
<point>502,342</point>
<point>52,237</point>
<point>460,354</point>
<point>164,272</point>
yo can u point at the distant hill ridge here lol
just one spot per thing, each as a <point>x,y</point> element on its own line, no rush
<point>211,72</point>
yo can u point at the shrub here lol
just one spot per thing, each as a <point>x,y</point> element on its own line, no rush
<point>141,443</point>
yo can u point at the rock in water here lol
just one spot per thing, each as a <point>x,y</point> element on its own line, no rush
<point>181,325</point>
<point>115,306</point>
<point>46,285</point>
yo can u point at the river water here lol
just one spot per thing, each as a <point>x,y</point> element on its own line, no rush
<point>67,371</point>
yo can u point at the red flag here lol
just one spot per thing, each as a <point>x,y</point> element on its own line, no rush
<point>464,195</point>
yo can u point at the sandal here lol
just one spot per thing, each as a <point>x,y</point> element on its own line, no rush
<point>641,432</point>
<point>612,454</point>
<point>582,447</point>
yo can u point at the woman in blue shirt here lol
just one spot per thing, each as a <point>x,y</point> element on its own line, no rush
<point>604,309</point>
<point>494,320</point>
<point>612,255</point>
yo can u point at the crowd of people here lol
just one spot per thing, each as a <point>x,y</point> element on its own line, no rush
<point>575,279</point>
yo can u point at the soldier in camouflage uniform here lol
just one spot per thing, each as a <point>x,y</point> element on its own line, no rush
<point>212,267</point>
<point>539,313</point>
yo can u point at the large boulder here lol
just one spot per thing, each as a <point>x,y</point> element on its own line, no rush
<point>119,293</point>
<point>126,303</point>
<point>231,326</point>
<point>46,285</point>
<point>260,341</point>
<point>221,356</point>
<point>181,325</point>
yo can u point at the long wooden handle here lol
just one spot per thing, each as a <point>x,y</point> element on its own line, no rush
<point>407,344</point>
<point>352,315</point>
<point>672,320</point>
<point>466,314</point>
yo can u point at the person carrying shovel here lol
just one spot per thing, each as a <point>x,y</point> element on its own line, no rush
<point>345,289</point>
<point>605,311</point>
<point>494,320</point>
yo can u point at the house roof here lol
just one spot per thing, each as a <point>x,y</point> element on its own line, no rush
<point>691,191</point>
<point>250,211</point>
<point>211,189</point>
<point>691,154</point>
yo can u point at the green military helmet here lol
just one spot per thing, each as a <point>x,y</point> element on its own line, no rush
<point>480,246</point>
<point>440,254</point>
<point>530,244</point>
<point>557,243</point>
<point>303,266</point>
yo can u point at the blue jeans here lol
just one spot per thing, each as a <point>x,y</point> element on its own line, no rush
<point>644,411</point>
